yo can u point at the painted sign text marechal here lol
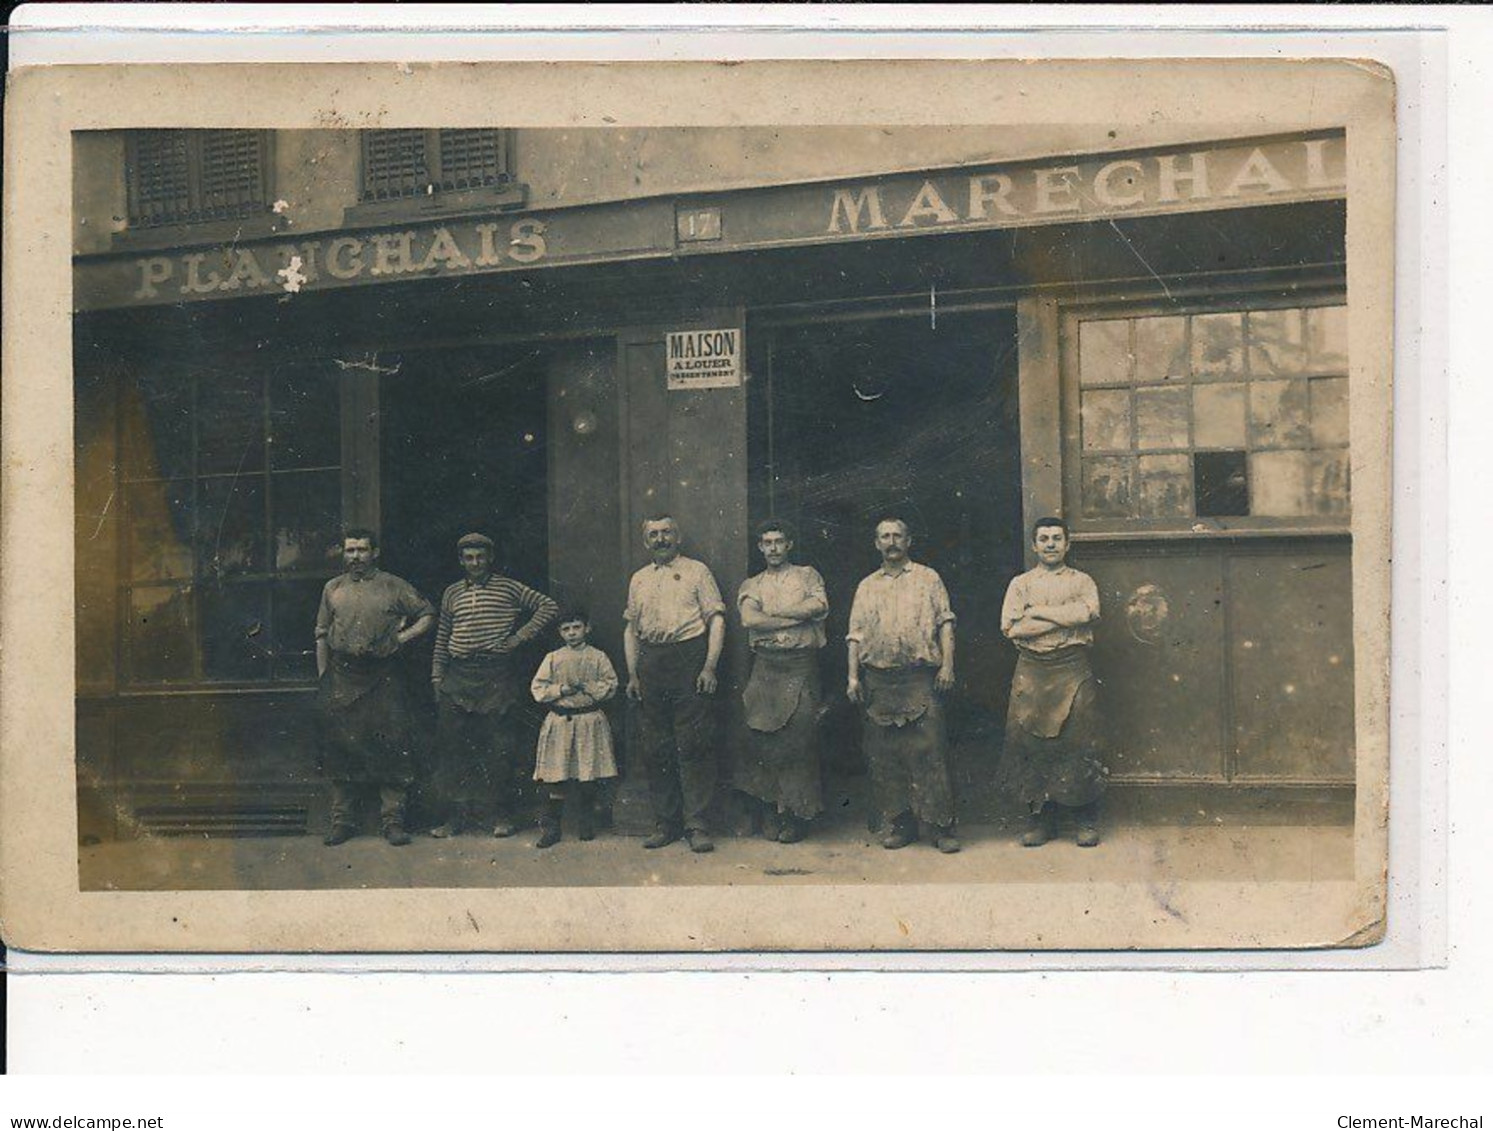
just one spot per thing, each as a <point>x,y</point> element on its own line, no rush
<point>291,265</point>
<point>1093,186</point>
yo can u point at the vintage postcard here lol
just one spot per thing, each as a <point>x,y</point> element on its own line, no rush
<point>861,506</point>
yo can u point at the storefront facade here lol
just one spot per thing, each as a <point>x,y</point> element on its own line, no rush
<point>1150,343</point>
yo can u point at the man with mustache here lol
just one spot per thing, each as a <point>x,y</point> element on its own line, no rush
<point>901,653</point>
<point>676,626</point>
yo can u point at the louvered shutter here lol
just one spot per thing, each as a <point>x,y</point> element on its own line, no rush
<point>185,176</point>
<point>472,158</point>
<point>394,164</point>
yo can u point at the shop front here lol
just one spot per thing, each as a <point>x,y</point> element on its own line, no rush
<point>1150,344</point>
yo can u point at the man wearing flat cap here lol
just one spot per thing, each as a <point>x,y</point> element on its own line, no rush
<point>484,619</point>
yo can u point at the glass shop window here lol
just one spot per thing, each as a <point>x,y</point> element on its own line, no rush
<point>231,483</point>
<point>193,176</point>
<point>1228,414</point>
<point>407,163</point>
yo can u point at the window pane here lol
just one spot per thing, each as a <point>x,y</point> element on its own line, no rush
<point>1218,345</point>
<point>1277,342</point>
<point>1327,331</point>
<point>158,639</point>
<point>156,421</point>
<point>1106,486</point>
<point>1106,419</point>
<point>1221,482</point>
<point>1164,486</point>
<point>1218,416</point>
<point>1330,487</point>
<point>1280,483</point>
<point>159,517</point>
<point>1330,412</point>
<point>294,616</point>
<point>305,425</point>
<point>1160,349</point>
<point>230,422</point>
<point>235,631</point>
<point>1279,414</point>
<point>1104,352</point>
<point>307,520</point>
<point>230,529</point>
<point>1160,418</point>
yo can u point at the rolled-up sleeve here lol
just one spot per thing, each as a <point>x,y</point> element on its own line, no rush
<point>1014,605</point>
<point>1091,597</point>
<point>857,630</point>
<point>324,613</point>
<point>943,612</point>
<point>708,594</point>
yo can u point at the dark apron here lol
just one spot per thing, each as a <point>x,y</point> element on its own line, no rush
<point>1043,689</point>
<point>780,681</point>
<point>480,685</point>
<point>897,696</point>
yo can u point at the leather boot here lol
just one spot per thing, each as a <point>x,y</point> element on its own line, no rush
<point>549,822</point>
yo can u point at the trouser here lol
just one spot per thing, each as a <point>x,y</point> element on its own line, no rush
<point>477,771</point>
<point>346,795</point>
<point>675,725</point>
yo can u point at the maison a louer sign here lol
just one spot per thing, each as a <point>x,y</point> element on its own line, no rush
<point>1199,178</point>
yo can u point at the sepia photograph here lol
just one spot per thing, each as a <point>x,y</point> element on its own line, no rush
<point>759,534</point>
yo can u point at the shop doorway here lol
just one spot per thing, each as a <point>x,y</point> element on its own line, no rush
<point>854,420</point>
<point>463,448</point>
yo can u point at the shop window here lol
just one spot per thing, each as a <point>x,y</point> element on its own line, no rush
<point>410,163</point>
<point>1240,413</point>
<point>231,483</point>
<point>193,176</point>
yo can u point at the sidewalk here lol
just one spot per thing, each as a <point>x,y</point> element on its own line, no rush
<point>839,855</point>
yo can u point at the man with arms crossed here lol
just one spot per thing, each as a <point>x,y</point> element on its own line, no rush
<point>783,609</point>
<point>1054,733</point>
<point>676,625</point>
<point>366,617</point>
<point>901,645</point>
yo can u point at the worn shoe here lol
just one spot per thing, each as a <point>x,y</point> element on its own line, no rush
<point>549,837</point>
<point>1038,833</point>
<point>504,828</point>
<point>661,837</point>
<point>585,824</point>
<point>900,837</point>
<point>791,830</point>
<point>1087,836</point>
<point>946,842</point>
<point>442,831</point>
<point>339,834</point>
<point>395,835</point>
<point>699,841</point>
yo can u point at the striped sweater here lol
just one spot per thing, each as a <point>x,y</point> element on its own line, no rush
<point>480,619</point>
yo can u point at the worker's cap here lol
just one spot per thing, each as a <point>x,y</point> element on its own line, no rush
<point>481,540</point>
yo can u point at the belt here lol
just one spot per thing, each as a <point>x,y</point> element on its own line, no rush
<point>573,712</point>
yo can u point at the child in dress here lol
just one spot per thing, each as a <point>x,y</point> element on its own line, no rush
<point>575,743</point>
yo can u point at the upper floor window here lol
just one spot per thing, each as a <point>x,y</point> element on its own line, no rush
<point>411,163</point>
<point>1229,414</point>
<point>188,176</point>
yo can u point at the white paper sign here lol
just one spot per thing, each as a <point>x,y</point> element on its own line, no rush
<point>704,359</point>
